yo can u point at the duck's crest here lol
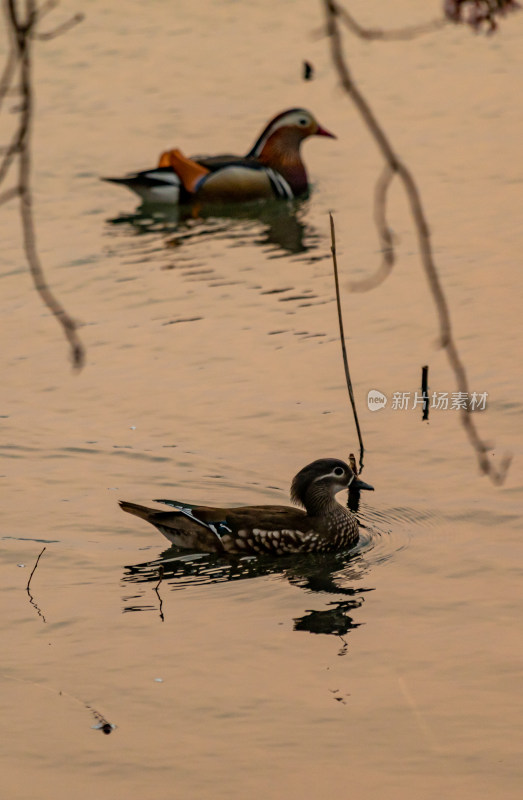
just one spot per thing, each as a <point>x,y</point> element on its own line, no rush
<point>269,129</point>
<point>301,483</point>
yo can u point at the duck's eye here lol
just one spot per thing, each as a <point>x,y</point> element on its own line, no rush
<point>339,471</point>
<point>303,121</point>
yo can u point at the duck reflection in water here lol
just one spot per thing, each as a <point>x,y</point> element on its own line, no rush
<point>269,223</point>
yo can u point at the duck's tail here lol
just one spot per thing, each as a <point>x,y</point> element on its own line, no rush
<point>138,511</point>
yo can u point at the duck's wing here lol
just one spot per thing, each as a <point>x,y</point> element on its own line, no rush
<point>235,178</point>
<point>266,518</point>
<point>214,519</point>
<point>229,178</point>
<point>272,530</point>
<point>214,163</point>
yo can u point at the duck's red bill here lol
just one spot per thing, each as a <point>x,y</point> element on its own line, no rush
<point>324,132</point>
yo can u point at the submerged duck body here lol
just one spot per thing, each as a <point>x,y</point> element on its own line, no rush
<point>273,168</point>
<point>323,526</point>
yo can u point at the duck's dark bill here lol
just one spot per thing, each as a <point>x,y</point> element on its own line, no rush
<point>359,485</point>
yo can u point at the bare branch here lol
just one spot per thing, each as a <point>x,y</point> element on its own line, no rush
<point>22,33</point>
<point>68,324</point>
<point>13,149</point>
<point>8,195</point>
<point>397,166</point>
<point>399,34</point>
<point>385,234</point>
<point>63,28</point>
<point>7,75</point>
<point>45,8</point>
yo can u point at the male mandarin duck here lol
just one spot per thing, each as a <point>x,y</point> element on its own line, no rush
<point>324,526</point>
<point>272,168</point>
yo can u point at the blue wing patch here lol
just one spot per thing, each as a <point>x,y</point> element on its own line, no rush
<point>219,528</point>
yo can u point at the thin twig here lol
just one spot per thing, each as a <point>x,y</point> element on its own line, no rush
<point>35,566</point>
<point>342,339</point>
<point>400,34</point>
<point>63,28</point>
<point>12,150</point>
<point>332,11</point>
<point>8,195</point>
<point>7,75</point>
<point>45,8</point>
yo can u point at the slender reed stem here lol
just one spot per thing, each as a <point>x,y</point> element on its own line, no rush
<point>342,339</point>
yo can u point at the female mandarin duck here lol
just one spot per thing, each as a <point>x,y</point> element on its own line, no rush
<point>272,168</point>
<point>325,525</point>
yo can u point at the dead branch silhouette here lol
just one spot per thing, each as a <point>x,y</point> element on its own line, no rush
<point>342,340</point>
<point>386,236</point>
<point>7,74</point>
<point>396,167</point>
<point>399,34</point>
<point>28,590</point>
<point>477,14</point>
<point>22,31</point>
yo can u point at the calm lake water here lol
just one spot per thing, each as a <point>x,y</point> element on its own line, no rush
<point>214,374</point>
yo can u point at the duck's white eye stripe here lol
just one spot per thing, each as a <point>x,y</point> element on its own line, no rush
<point>282,122</point>
<point>333,474</point>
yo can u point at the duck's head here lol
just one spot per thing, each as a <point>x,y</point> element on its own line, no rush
<point>288,130</point>
<point>320,481</point>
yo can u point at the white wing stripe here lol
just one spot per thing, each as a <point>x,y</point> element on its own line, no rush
<point>281,184</point>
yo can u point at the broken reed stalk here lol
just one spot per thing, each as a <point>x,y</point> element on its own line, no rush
<point>35,566</point>
<point>342,339</point>
<point>28,590</point>
<point>425,392</point>
<point>23,32</point>
<point>396,167</point>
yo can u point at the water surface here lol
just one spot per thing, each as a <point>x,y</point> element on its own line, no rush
<point>213,375</point>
